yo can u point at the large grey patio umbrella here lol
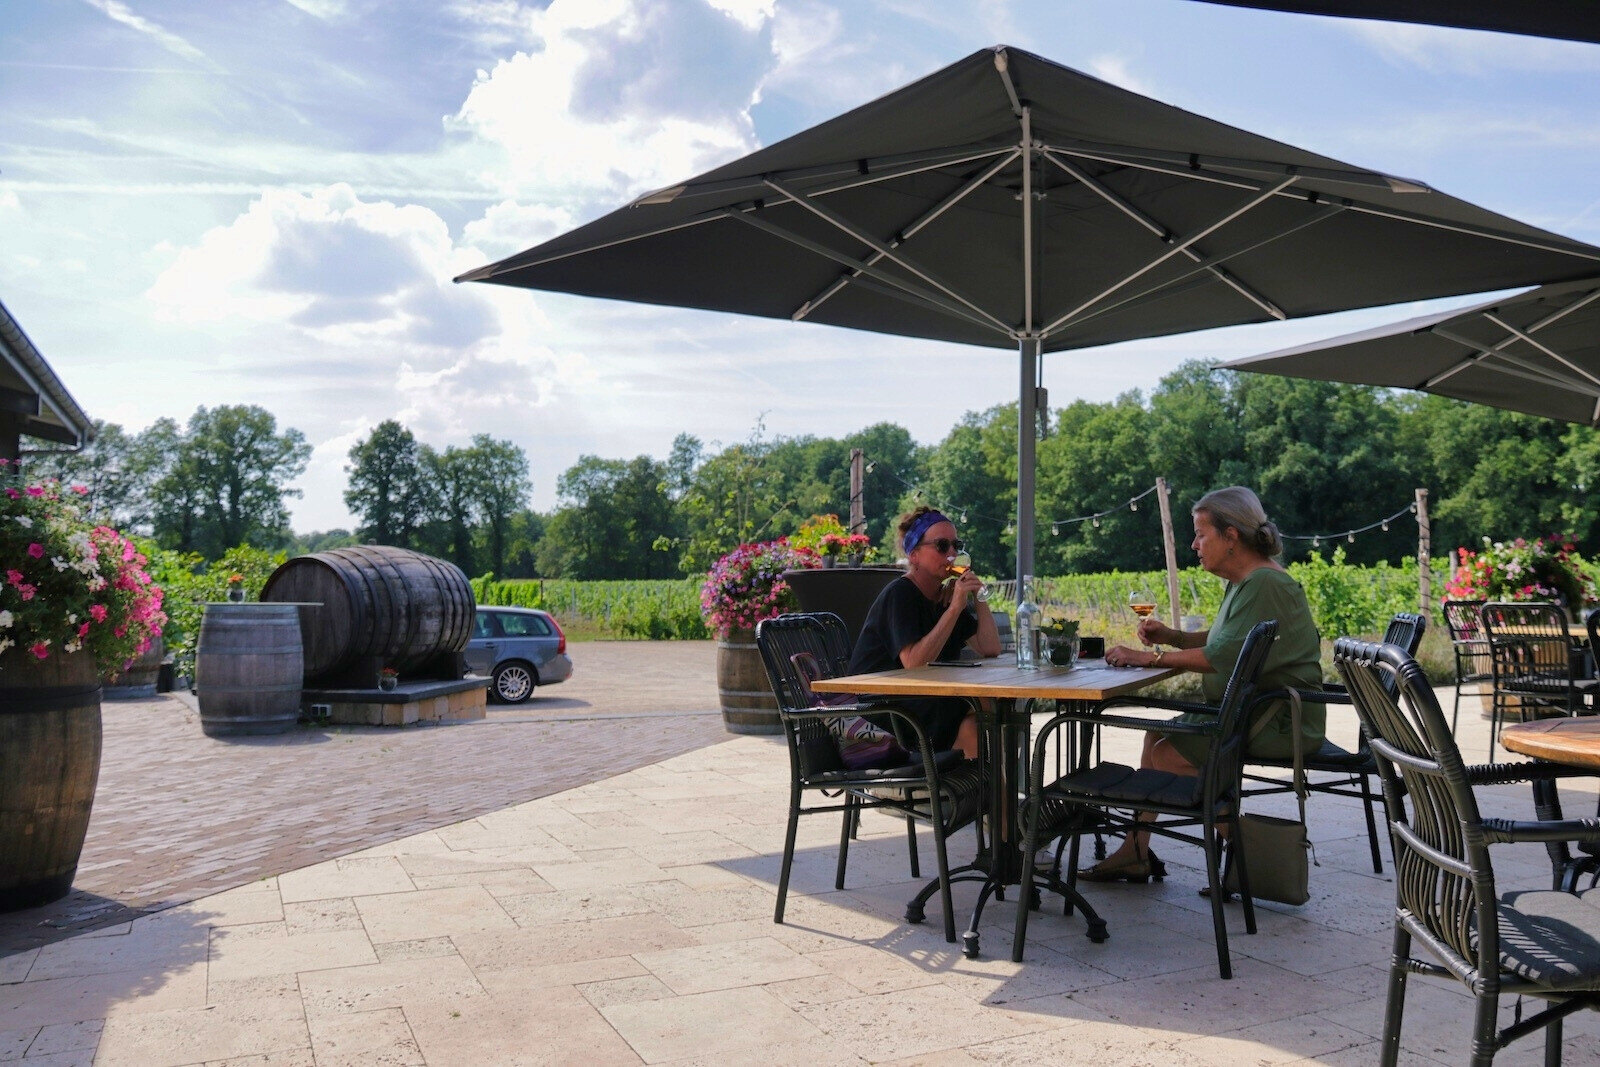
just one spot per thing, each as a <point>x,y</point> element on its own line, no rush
<point>1012,202</point>
<point>1537,352</point>
<point>1574,19</point>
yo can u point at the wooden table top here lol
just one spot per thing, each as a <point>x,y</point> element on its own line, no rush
<point>1574,742</point>
<point>1089,680</point>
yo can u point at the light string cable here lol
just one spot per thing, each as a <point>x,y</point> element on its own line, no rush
<point>1350,535</point>
<point>962,514</point>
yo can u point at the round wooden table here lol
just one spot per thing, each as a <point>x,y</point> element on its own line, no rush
<point>1573,742</point>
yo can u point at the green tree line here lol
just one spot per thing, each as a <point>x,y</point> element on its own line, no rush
<point>1325,458</point>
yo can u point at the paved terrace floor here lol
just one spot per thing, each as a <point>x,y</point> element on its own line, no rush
<point>627,919</point>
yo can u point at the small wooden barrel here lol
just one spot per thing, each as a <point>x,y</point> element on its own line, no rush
<point>248,669</point>
<point>396,606</point>
<point>49,766</point>
<point>748,706</point>
<point>139,680</point>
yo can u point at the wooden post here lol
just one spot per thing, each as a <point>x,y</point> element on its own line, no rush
<point>1171,544</point>
<point>858,510</point>
<point>1424,550</point>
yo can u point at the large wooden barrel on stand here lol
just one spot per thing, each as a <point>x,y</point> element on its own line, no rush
<point>248,668</point>
<point>49,767</point>
<point>138,680</point>
<point>380,607</point>
<point>748,706</point>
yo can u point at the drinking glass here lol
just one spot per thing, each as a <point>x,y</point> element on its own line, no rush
<point>960,564</point>
<point>1142,603</point>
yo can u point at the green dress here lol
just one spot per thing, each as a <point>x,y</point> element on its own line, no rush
<point>1295,660</point>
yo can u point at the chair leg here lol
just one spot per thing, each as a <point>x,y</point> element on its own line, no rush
<point>1372,824</point>
<point>1455,716</point>
<point>1219,924</point>
<point>1030,822</point>
<point>946,901</point>
<point>788,855</point>
<point>1483,1030</point>
<point>1552,1044</point>
<point>1395,1005</point>
<point>911,848</point>
<point>845,833</point>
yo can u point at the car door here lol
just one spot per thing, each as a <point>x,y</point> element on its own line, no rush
<point>482,649</point>
<point>525,637</point>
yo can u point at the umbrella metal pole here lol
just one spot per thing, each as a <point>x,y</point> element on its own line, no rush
<point>1027,416</point>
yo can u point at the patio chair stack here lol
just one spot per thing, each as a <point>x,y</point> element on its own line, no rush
<point>1537,668</point>
<point>1542,944</point>
<point>1353,772</point>
<point>939,788</point>
<point>1471,651</point>
<point>1112,796</point>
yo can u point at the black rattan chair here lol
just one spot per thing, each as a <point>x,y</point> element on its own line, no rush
<point>1353,773</point>
<point>1473,667</point>
<point>1543,944</point>
<point>942,789</point>
<point>1112,796</point>
<point>1537,667</point>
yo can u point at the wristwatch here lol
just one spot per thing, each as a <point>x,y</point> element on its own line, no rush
<point>1155,661</point>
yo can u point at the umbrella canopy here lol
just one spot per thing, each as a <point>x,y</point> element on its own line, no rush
<point>1573,19</point>
<point>1538,352</point>
<point>1012,202</point>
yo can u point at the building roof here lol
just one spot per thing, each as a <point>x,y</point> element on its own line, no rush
<point>31,392</point>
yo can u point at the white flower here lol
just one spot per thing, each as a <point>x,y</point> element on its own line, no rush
<point>24,522</point>
<point>73,645</point>
<point>5,643</point>
<point>60,564</point>
<point>6,619</point>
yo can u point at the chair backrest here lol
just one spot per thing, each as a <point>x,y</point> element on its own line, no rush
<point>1442,872</point>
<point>1406,630</point>
<point>791,646</point>
<point>1461,619</point>
<point>1527,637</point>
<point>1223,768</point>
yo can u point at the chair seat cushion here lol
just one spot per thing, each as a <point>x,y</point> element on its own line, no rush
<point>1116,781</point>
<point>1546,683</point>
<point>1330,757</point>
<point>906,772</point>
<point>1552,938</point>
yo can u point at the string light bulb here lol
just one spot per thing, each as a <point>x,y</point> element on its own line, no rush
<point>1385,525</point>
<point>871,466</point>
<point>1133,505</point>
<point>1097,522</point>
<point>1316,542</point>
<point>963,516</point>
<point>1351,537</point>
<point>1055,530</point>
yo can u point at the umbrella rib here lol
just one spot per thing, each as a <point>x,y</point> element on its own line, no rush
<point>1186,163</point>
<point>1199,174</point>
<point>494,270</point>
<point>1518,368</point>
<point>1546,349</point>
<point>1256,201</point>
<point>1554,316</point>
<point>844,226</point>
<point>749,218</point>
<point>1163,234</point>
<point>974,183</point>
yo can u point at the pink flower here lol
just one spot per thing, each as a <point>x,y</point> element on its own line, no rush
<point>12,493</point>
<point>97,612</point>
<point>40,649</point>
<point>81,490</point>
<point>36,550</point>
<point>14,577</point>
<point>36,490</point>
<point>27,591</point>
<point>83,631</point>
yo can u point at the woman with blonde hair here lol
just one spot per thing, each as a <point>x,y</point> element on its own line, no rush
<point>1238,543</point>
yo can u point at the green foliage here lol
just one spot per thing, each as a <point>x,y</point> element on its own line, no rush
<point>388,486</point>
<point>190,581</point>
<point>655,610</point>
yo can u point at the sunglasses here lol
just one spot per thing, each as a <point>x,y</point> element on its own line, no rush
<point>946,544</point>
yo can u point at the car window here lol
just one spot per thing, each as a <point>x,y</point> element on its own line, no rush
<point>525,626</point>
<point>483,625</point>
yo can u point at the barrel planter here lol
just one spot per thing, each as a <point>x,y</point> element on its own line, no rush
<point>748,706</point>
<point>49,765</point>
<point>138,680</point>
<point>248,669</point>
<point>848,592</point>
<point>378,605</point>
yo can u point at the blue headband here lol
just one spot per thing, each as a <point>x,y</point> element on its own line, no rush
<point>925,522</point>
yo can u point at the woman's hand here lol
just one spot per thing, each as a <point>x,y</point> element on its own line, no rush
<point>1123,656</point>
<point>1152,631</point>
<point>964,588</point>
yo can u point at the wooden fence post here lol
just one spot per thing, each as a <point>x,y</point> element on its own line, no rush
<point>1171,544</point>
<point>1424,550</point>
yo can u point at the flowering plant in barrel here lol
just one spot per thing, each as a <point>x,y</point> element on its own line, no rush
<point>747,585</point>
<point>1546,568</point>
<point>69,583</point>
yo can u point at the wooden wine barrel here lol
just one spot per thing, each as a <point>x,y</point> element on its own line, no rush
<point>248,669</point>
<point>390,604</point>
<point>748,706</point>
<point>49,766</point>
<point>138,681</point>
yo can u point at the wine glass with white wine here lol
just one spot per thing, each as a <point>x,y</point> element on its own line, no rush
<point>1142,603</point>
<point>961,564</point>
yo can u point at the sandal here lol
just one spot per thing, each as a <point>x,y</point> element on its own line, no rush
<point>1132,869</point>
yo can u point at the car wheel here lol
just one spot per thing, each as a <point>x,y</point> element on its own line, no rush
<point>513,682</point>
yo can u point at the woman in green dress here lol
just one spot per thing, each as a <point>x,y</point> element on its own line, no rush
<point>1235,541</point>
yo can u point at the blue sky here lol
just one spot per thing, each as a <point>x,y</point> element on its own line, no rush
<point>263,201</point>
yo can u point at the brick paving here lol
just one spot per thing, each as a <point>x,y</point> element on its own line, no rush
<point>179,815</point>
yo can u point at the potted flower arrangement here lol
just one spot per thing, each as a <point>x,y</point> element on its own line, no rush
<point>1059,635</point>
<point>75,602</point>
<point>742,588</point>
<point>236,587</point>
<point>1546,568</point>
<point>388,679</point>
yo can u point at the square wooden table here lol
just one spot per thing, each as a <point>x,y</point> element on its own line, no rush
<point>1005,731</point>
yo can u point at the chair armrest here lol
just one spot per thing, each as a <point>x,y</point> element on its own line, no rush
<point>1332,694</point>
<point>1508,773</point>
<point>1519,831</point>
<point>1155,703</point>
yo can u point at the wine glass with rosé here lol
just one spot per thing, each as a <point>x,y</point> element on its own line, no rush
<point>1142,603</point>
<point>960,564</point>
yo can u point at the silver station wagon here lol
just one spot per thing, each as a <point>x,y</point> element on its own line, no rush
<point>518,649</point>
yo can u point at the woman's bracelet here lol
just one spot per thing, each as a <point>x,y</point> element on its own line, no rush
<point>1155,660</point>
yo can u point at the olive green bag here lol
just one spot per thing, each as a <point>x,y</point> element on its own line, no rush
<point>1277,850</point>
